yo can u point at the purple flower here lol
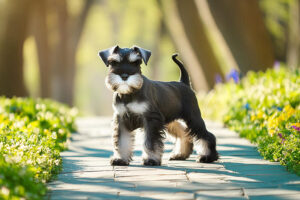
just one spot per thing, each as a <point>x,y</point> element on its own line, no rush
<point>218,78</point>
<point>233,74</point>
<point>280,135</point>
<point>283,140</point>
<point>276,64</point>
<point>296,128</point>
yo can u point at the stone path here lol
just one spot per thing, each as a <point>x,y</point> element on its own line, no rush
<point>240,173</point>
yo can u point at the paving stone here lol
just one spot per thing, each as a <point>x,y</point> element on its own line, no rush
<point>237,158</point>
<point>148,173</point>
<point>235,141</point>
<point>94,187</point>
<point>224,194</point>
<point>168,196</point>
<point>236,179</point>
<point>157,190</point>
<point>271,192</point>
<point>249,162</point>
<point>253,167</point>
<point>194,165</point>
<point>238,153</point>
<point>152,178</point>
<point>157,185</point>
<point>84,168</point>
<point>224,133</point>
<point>274,178</point>
<point>254,184</point>
<point>93,174</point>
<point>292,182</point>
<point>81,195</point>
<point>169,188</point>
<point>194,176</point>
<point>272,197</point>
<point>244,160</point>
<point>265,172</point>
<point>205,184</point>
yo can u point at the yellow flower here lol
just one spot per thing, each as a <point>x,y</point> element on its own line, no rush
<point>296,124</point>
<point>273,123</point>
<point>288,111</point>
<point>260,114</point>
<point>271,131</point>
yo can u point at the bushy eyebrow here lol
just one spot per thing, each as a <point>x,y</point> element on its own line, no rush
<point>114,57</point>
<point>134,56</point>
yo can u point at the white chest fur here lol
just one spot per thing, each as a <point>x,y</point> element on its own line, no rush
<point>134,107</point>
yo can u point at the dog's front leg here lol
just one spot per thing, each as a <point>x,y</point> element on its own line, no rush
<point>122,142</point>
<point>153,145</point>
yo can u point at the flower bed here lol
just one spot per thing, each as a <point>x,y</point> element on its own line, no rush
<point>263,107</point>
<point>32,135</point>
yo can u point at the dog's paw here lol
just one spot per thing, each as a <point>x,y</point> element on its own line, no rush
<point>118,162</point>
<point>178,157</point>
<point>208,158</point>
<point>151,162</point>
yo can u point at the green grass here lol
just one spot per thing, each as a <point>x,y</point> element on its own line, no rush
<point>264,108</point>
<point>32,135</point>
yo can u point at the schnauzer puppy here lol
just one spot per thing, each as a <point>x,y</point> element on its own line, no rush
<point>154,106</point>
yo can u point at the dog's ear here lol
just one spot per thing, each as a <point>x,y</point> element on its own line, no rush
<point>144,53</point>
<point>107,52</point>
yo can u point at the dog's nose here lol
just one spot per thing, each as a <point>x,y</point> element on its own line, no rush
<point>124,76</point>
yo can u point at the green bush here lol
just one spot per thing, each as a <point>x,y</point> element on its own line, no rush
<point>263,107</point>
<point>32,135</point>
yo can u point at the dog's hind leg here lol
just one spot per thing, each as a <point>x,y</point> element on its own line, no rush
<point>206,148</point>
<point>123,140</point>
<point>184,144</point>
<point>205,142</point>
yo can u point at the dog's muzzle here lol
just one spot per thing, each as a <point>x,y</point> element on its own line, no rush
<point>124,84</point>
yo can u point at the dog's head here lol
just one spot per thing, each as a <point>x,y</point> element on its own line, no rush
<point>124,68</point>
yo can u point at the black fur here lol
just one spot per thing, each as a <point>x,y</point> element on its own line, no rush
<point>167,101</point>
<point>184,76</point>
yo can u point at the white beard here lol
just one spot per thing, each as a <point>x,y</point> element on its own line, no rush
<point>115,83</point>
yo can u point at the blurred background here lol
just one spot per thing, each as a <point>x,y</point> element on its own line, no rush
<point>49,48</point>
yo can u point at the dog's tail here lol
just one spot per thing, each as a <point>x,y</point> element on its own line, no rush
<point>184,77</point>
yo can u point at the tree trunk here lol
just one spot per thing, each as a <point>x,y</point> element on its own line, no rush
<point>293,52</point>
<point>62,85</point>
<point>157,49</point>
<point>40,32</point>
<point>220,47</point>
<point>64,50</point>
<point>11,48</point>
<point>187,32</point>
<point>242,26</point>
<point>196,34</point>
